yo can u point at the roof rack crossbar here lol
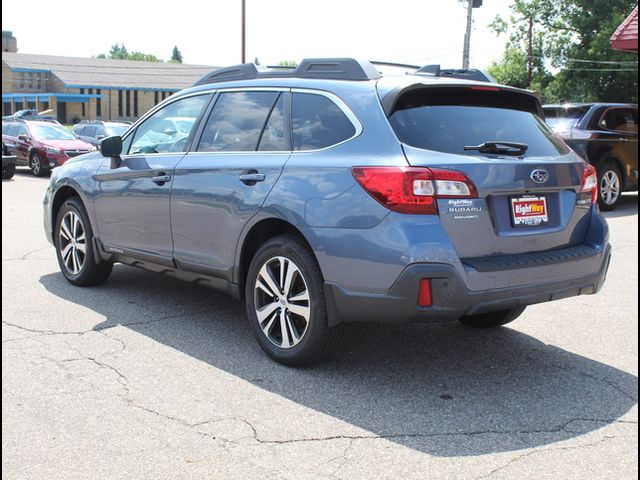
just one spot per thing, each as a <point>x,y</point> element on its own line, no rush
<point>318,68</point>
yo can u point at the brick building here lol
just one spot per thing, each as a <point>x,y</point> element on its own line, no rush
<point>90,88</point>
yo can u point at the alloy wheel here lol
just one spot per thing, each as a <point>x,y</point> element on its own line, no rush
<point>281,302</point>
<point>609,187</point>
<point>35,165</point>
<point>72,242</point>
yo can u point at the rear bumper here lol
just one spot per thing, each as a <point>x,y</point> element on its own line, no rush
<point>451,298</point>
<point>8,160</point>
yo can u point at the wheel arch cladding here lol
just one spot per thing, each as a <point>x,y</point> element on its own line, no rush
<point>259,233</point>
<point>61,196</point>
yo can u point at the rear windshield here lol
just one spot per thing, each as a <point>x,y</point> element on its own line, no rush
<point>449,122</point>
<point>562,119</point>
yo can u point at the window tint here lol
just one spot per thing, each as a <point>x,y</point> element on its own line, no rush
<point>318,122</point>
<point>275,135</point>
<point>449,128</point>
<point>621,120</point>
<point>89,131</point>
<point>100,131</point>
<point>160,132</point>
<point>12,130</point>
<point>236,122</point>
<point>21,130</point>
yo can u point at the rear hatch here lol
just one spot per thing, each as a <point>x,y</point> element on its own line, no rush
<point>528,181</point>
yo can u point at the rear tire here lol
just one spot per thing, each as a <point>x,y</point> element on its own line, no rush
<point>74,246</point>
<point>493,319</point>
<point>284,296</point>
<point>609,186</point>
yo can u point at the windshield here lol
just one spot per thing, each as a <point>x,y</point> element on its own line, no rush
<point>117,130</point>
<point>451,128</point>
<point>51,132</point>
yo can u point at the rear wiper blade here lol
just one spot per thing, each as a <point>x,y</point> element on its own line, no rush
<point>503,148</point>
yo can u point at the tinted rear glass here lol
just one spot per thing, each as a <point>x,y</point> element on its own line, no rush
<point>318,122</point>
<point>449,123</point>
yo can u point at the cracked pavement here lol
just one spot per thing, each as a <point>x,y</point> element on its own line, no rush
<point>148,377</point>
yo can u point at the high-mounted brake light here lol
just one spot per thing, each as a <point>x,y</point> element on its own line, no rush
<point>590,182</point>
<point>413,189</point>
<point>483,88</point>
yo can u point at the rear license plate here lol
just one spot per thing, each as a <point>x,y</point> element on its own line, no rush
<point>529,211</point>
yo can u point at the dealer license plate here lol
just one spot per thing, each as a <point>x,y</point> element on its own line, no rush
<point>529,211</point>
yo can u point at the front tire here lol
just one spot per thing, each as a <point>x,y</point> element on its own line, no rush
<point>35,164</point>
<point>609,186</point>
<point>285,303</point>
<point>74,246</point>
<point>493,319</point>
<point>8,171</point>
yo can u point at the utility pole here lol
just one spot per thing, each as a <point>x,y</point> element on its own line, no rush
<point>530,52</point>
<point>467,36</point>
<point>244,31</point>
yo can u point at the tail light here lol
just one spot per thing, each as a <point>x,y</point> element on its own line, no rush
<point>590,182</point>
<point>413,189</point>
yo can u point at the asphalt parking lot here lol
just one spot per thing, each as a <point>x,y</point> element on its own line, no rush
<point>149,378</point>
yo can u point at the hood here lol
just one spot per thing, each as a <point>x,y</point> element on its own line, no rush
<point>68,144</point>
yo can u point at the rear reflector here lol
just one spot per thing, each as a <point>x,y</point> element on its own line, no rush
<point>590,182</point>
<point>413,189</point>
<point>424,298</point>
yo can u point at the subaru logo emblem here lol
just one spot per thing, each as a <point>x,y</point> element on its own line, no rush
<point>540,176</point>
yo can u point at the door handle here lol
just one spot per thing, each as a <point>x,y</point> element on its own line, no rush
<point>252,177</point>
<point>161,179</point>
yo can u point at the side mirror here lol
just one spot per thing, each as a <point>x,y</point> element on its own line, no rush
<point>111,146</point>
<point>100,137</point>
<point>23,137</point>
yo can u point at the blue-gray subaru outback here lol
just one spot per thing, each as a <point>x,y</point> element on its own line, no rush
<point>329,193</point>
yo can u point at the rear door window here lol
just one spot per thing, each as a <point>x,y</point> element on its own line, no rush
<point>620,120</point>
<point>275,137</point>
<point>317,122</point>
<point>449,122</point>
<point>237,121</point>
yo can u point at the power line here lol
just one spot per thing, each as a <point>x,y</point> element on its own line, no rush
<point>600,69</point>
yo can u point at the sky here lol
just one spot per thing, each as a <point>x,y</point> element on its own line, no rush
<point>207,32</point>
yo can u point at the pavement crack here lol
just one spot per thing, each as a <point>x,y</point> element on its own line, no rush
<point>522,456</point>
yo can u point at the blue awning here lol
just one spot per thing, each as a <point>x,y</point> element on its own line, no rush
<point>46,97</point>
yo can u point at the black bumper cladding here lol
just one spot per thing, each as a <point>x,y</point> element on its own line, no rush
<point>452,300</point>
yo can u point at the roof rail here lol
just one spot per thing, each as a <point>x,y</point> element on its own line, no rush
<point>318,68</point>
<point>465,74</point>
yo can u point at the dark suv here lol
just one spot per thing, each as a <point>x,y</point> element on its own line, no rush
<point>41,145</point>
<point>94,131</point>
<point>331,194</point>
<point>606,135</point>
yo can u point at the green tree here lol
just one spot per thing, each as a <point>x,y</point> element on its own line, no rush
<point>119,52</point>
<point>571,39</point>
<point>176,56</point>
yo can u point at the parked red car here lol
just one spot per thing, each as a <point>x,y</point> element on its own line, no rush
<point>41,145</point>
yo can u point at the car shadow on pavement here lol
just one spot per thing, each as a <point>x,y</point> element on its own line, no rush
<point>444,389</point>
<point>628,206</point>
